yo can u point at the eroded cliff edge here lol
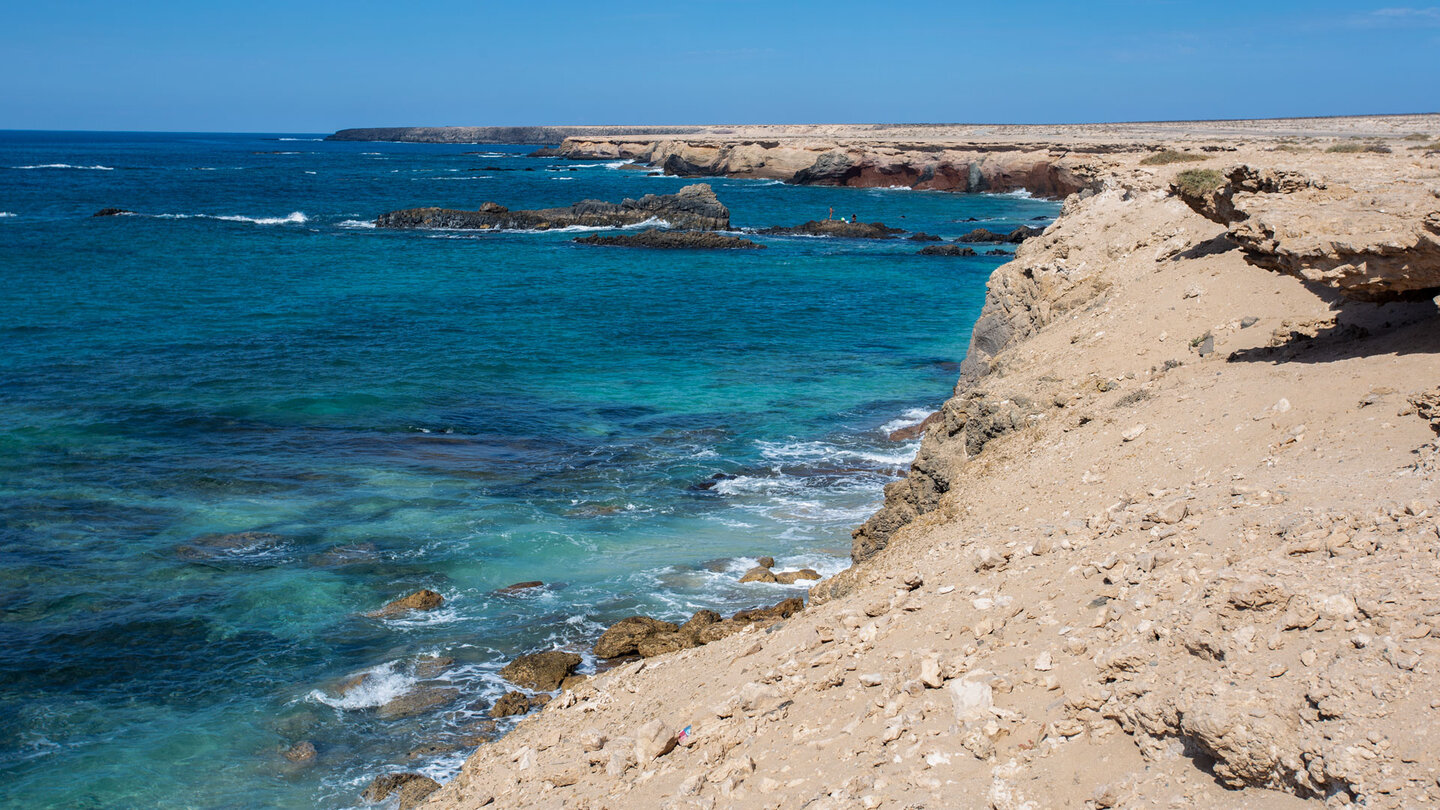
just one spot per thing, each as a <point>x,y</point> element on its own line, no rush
<point>1177,548</point>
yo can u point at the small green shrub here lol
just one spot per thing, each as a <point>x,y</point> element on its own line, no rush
<point>1169,156</point>
<point>1416,136</point>
<point>1194,182</point>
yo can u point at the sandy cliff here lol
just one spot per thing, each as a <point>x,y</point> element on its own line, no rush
<point>1173,542</point>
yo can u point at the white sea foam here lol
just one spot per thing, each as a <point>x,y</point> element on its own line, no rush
<point>910,418</point>
<point>5,214</point>
<point>562,178</point>
<point>381,685</point>
<point>467,177</point>
<point>293,218</point>
<point>1018,193</point>
<point>96,168</point>
<point>358,223</point>
<point>299,139</point>
<point>652,222</point>
<point>310,172</point>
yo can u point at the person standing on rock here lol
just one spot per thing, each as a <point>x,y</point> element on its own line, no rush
<point>831,215</point>
<point>853,219</point>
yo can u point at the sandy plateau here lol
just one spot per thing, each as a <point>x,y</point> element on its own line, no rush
<point>1172,543</point>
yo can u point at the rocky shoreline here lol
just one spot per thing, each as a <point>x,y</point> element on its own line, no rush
<point>1171,542</point>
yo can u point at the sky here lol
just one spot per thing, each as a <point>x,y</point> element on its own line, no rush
<point>311,66</point>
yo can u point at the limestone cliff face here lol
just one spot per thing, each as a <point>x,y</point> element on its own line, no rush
<point>1041,171</point>
<point>1043,283</point>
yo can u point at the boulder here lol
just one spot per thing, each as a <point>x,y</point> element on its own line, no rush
<point>411,787</point>
<point>698,622</point>
<point>510,704</point>
<point>921,236</point>
<point>624,636</point>
<point>692,207</point>
<point>769,615</point>
<point>432,666</point>
<point>671,240</point>
<point>758,574</point>
<point>766,562</point>
<point>714,632</point>
<point>111,212</point>
<point>542,671</point>
<point>662,643</point>
<point>519,587</point>
<point>791,577</point>
<point>419,600</point>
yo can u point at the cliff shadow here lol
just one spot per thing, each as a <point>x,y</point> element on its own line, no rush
<point>1357,330</point>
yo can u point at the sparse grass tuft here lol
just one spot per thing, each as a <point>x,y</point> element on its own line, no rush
<point>1416,136</point>
<point>1169,156</point>
<point>1194,182</point>
<point>1350,148</point>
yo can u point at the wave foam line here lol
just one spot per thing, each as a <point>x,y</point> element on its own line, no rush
<point>293,218</point>
<point>5,214</point>
<point>95,168</point>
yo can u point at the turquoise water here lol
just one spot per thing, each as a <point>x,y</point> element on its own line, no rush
<point>398,410</point>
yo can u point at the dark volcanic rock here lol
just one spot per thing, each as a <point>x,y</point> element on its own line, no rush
<point>691,207</point>
<point>925,237</point>
<point>111,212</point>
<point>671,240</point>
<point>946,250</point>
<point>542,672</point>
<point>838,227</point>
<point>1015,237</point>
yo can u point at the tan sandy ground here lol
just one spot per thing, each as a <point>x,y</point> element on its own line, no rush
<point>1167,581</point>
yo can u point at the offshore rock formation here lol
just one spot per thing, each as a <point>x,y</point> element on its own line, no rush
<point>1019,167</point>
<point>693,206</point>
<point>837,227</point>
<point>655,238</point>
<point>1379,245</point>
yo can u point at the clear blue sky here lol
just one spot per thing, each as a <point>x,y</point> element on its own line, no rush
<point>303,66</point>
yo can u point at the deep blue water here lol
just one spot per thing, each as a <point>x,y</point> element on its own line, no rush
<point>402,410</point>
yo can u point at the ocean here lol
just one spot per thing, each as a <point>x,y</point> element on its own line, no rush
<point>387,411</point>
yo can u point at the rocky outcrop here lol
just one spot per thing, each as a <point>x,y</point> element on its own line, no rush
<point>420,600</point>
<point>1379,245</point>
<point>647,637</point>
<point>837,227</point>
<point>411,788</point>
<point>111,212</point>
<point>1015,237</point>
<point>657,239</point>
<point>693,207</point>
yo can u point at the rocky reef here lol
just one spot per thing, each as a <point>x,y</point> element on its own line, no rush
<point>693,207</point>
<point>657,239</point>
<point>837,227</point>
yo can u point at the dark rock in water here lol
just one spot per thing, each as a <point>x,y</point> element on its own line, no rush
<point>981,235</point>
<point>545,152</point>
<point>228,547</point>
<point>509,705</point>
<point>340,556</point>
<point>766,562</point>
<point>838,227</point>
<point>691,207</point>
<point>624,636</point>
<point>1040,218</point>
<point>111,212</point>
<point>418,701</point>
<point>301,752</point>
<point>543,671</point>
<point>419,600</point>
<point>412,787</point>
<point>671,240</point>
<point>946,250</point>
<point>710,482</point>
<point>925,237</point>
<point>998,252</point>
<point>905,434</point>
<point>519,587</point>
<point>1022,233</point>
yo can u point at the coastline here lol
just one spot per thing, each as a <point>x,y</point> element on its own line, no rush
<point>1167,488</point>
